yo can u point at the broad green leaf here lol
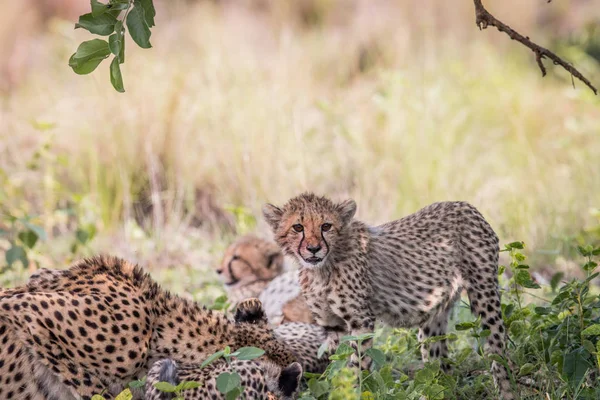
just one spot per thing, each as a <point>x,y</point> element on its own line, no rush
<point>376,355</point>
<point>149,12</point>
<point>434,392</point>
<point>124,395</point>
<point>212,358</point>
<point>248,353</point>
<point>98,397</point>
<point>516,245</point>
<point>115,75</point>
<point>318,388</point>
<point>187,385</point>
<point>575,365</point>
<point>82,236</point>
<point>137,26</point>
<point>16,253</point>
<point>137,384</point>
<point>114,44</point>
<point>39,231</point>
<point>234,394</point>
<point>523,278</point>
<point>226,382</point>
<point>88,55</point>
<point>29,238</point>
<point>98,8</point>
<point>543,310</point>
<point>591,330</point>
<point>103,24</point>
<point>424,376</point>
<point>526,369</point>
<point>165,387</point>
<point>84,67</point>
<point>585,251</point>
<point>517,327</point>
<point>589,346</point>
<point>590,266</point>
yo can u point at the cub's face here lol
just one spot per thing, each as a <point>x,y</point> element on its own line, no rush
<point>308,227</point>
<point>248,260</point>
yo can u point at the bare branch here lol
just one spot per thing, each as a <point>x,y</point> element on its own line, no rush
<point>483,19</point>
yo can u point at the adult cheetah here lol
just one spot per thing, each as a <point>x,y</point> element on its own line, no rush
<point>102,323</point>
<point>254,267</point>
<point>407,272</point>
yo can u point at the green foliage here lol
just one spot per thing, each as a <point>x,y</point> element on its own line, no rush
<point>107,20</point>
<point>177,390</point>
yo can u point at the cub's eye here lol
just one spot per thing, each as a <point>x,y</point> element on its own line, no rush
<point>325,227</point>
<point>298,228</point>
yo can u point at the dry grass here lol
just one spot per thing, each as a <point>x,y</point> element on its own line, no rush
<point>253,106</point>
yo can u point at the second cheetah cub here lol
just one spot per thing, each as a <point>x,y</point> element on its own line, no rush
<point>407,272</point>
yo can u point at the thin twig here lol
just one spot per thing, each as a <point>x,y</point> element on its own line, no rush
<point>483,19</point>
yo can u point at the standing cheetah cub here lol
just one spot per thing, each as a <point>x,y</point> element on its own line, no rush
<point>406,273</point>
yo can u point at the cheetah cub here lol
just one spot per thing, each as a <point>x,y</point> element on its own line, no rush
<point>407,272</point>
<point>254,267</point>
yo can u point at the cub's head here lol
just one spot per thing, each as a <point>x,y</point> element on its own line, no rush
<point>309,227</point>
<point>250,259</point>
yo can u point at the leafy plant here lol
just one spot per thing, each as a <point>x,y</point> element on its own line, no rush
<point>113,20</point>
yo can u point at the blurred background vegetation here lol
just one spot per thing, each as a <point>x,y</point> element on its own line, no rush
<point>395,103</point>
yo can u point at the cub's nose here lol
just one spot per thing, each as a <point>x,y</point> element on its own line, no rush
<point>219,271</point>
<point>313,249</point>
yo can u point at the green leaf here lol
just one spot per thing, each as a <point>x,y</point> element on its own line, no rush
<point>591,330</point>
<point>16,253</point>
<point>318,388</point>
<point>424,376</point>
<point>84,67</point>
<point>137,26</point>
<point>115,76</point>
<point>463,326</point>
<point>248,353</point>
<point>212,358</point>
<point>523,278</point>
<point>165,387</point>
<point>322,349</point>
<point>103,24</point>
<point>29,238</point>
<point>516,245</point>
<point>40,232</point>
<point>517,327</point>
<point>434,392</point>
<point>376,355</point>
<point>526,369</point>
<point>89,55</point>
<point>98,8</point>
<point>124,395</point>
<point>556,278</point>
<point>187,385</point>
<point>226,382</point>
<point>234,394</point>
<point>121,40</point>
<point>137,384</point>
<point>501,270</point>
<point>543,310</point>
<point>149,12</point>
<point>98,397</point>
<point>114,44</point>
<point>590,266</point>
<point>575,365</point>
<point>585,251</point>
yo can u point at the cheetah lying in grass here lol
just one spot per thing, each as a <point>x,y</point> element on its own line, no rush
<point>406,273</point>
<point>254,267</point>
<point>101,324</point>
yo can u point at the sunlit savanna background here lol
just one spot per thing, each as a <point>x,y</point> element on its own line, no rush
<point>394,103</point>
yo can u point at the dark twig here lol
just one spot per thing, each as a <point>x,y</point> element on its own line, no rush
<point>483,19</point>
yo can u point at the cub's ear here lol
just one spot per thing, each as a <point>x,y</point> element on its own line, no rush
<point>272,215</point>
<point>347,209</point>
<point>289,380</point>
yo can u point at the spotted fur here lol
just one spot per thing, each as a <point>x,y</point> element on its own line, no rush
<point>260,380</point>
<point>254,267</point>
<point>407,272</point>
<point>102,323</point>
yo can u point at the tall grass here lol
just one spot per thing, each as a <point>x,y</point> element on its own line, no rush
<point>250,107</point>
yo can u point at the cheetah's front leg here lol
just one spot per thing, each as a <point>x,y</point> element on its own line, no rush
<point>353,307</point>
